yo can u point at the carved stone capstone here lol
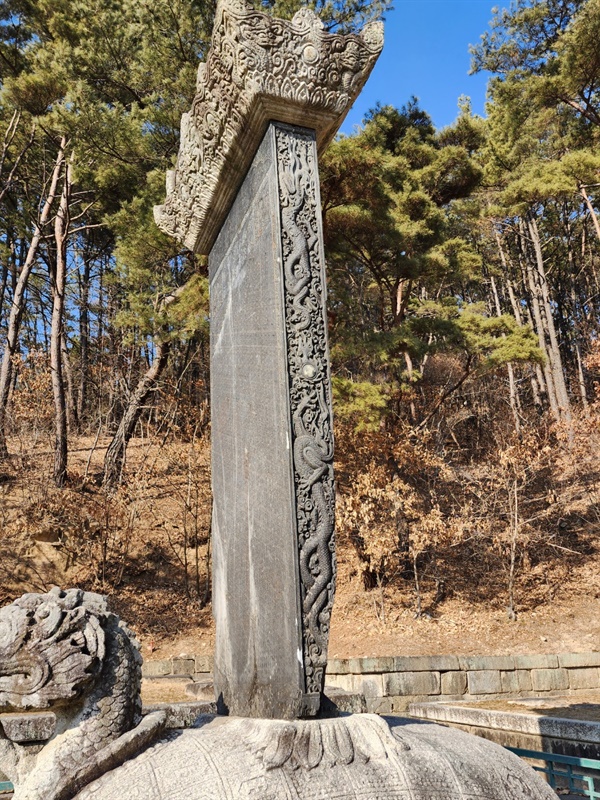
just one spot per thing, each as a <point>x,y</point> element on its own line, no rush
<point>258,69</point>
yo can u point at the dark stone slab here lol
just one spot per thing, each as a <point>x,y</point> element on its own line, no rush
<point>272,480</point>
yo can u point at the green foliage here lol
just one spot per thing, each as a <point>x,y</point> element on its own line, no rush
<point>523,36</point>
<point>361,402</point>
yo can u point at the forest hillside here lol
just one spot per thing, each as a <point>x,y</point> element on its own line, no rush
<point>464,311</point>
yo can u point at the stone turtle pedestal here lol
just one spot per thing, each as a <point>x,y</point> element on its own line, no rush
<point>70,675</point>
<point>360,757</point>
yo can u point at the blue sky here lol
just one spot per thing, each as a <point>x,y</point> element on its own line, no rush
<point>426,53</point>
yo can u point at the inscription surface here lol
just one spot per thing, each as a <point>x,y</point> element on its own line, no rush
<point>274,568</point>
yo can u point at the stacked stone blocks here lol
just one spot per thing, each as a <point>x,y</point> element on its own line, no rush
<point>390,683</point>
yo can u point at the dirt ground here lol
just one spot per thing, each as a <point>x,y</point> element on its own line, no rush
<point>572,625</point>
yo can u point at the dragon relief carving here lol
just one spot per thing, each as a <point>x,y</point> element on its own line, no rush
<point>65,651</point>
<point>310,390</point>
<point>259,68</point>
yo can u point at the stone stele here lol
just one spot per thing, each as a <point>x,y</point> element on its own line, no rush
<point>71,670</point>
<point>245,190</point>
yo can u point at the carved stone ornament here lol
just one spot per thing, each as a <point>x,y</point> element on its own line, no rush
<point>66,652</point>
<point>258,69</point>
<point>310,391</point>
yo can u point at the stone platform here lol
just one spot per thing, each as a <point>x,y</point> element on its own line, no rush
<point>560,725</point>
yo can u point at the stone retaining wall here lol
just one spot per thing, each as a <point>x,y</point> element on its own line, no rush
<point>389,684</point>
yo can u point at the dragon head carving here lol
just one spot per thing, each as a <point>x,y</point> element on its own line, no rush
<point>66,652</point>
<point>52,647</point>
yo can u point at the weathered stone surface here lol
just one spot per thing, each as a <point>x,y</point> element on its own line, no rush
<point>344,681</point>
<point>425,663</point>
<point>540,661</point>
<point>516,681</point>
<point>181,715</point>
<point>204,663</point>
<point>184,666</point>
<point>486,663</point>
<point>272,441</point>
<point>485,681</point>
<point>375,665</point>
<point>157,669</point>
<point>338,666</point>
<point>65,650</point>
<point>584,678</point>
<point>546,680</point>
<point>368,685</point>
<point>579,659</point>
<point>31,727</point>
<point>337,701</point>
<point>201,690</point>
<point>411,683</point>
<point>530,724</point>
<point>380,705</point>
<point>258,69</point>
<point>454,683</point>
<point>349,758</point>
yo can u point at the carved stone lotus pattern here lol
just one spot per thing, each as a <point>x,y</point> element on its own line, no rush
<point>258,69</point>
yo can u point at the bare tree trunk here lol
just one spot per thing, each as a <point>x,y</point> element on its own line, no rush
<point>514,526</point>
<point>538,385</point>
<point>576,330</point>
<point>410,372</point>
<point>558,374</point>
<point>72,416</point>
<point>18,301</point>
<point>61,231</point>
<point>11,132</point>
<point>590,208</point>
<point>513,396</point>
<point>84,338</point>
<point>115,454</point>
<point>6,269</point>
<point>538,326</point>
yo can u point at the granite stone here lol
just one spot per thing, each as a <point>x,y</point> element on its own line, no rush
<point>546,680</point>
<point>584,678</point>
<point>484,681</point>
<point>579,659</point>
<point>358,757</point>
<point>454,683</point>
<point>411,683</point>
<point>32,727</point>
